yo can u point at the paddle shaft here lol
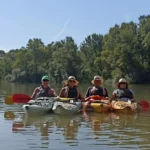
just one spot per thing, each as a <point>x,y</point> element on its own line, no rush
<point>23,98</point>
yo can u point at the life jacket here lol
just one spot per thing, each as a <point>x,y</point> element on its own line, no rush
<point>97,91</point>
<point>44,92</point>
<point>71,92</point>
<point>97,97</point>
<point>124,93</point>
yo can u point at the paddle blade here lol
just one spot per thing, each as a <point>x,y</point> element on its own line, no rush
<point>21,98</point>
<point>63,99</point>
<point>8,100</point>
<point>144,104</point>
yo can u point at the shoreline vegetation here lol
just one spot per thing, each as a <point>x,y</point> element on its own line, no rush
<point>123,52</point>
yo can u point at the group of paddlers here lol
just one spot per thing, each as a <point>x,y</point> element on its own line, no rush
<point>71,90</point>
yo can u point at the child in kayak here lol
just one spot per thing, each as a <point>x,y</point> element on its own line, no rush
<point>70,90</point>
<point>44,90</point>
<point>123,93</point>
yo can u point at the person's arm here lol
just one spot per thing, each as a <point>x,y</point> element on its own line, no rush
<point>34,93</point>
<point>105,92</point>
<point>87,92</point>
<point>81,97</point>
<point>61,93</point>
<point>113,97</point>
<point>54,93</point>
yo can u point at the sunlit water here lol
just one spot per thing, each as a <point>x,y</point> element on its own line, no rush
<point>87,132</point>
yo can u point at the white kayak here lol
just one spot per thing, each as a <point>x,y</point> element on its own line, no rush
<point>66,108</point>
<point>39,106</point>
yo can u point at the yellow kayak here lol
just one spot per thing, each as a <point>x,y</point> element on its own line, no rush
<point>102,106</point>
<point>124,107</point>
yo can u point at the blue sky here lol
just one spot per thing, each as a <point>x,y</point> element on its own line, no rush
<point>52,20</point>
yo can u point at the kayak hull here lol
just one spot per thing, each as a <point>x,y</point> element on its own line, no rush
<point>63,108</point>
<point>125,107</point>
<point>99,107</point>
<point>39,108</point>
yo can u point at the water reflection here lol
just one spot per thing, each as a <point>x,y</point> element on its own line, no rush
<point>47,127</point>
<point>89,131</point>
<point>67,125</point>
<point>93,130</point>
<point>112,129</point>
<point>118,119</point>
<point>8,115</point>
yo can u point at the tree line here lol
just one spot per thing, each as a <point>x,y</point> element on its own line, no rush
<point>123,52</point>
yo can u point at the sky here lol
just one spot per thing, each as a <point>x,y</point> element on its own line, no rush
<point>53,20</point>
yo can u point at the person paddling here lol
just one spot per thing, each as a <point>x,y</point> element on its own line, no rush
<point>44,90</point>
<point>123,93</point>
<point>96,89</point>
<point>95,93</point>
<point>70,90</point>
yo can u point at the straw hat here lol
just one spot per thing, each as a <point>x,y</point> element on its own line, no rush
<point>122,80</point>
<point>71,78</point>
<point>97,78</point>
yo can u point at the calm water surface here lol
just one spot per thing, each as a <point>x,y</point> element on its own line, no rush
<point>86,132</point>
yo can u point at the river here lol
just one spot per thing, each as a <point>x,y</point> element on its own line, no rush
<point>86,132</point>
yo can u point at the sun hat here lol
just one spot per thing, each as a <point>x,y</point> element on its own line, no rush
<point>97,78</point>
<point>122,80</point>
<point>71,78</point>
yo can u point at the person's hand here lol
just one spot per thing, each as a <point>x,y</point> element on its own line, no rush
<point>93,90</point>
<point>87,99</point>
<point>132,100</point>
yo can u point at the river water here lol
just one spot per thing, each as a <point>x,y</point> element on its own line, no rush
<point>86,132</point>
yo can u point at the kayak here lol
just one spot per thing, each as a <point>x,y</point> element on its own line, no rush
<point>100,107</point>
<point>38,106</point>
<point>124,107</point>
<point>66,108</point>
<point>97,103</point>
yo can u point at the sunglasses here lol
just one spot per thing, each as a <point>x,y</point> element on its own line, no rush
<point>72,81</point>
<point>122,82</point>
<point>45,80</point>
<point>97,80</point>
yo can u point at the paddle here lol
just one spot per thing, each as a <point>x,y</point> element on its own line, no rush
<point>23,98</point>
<point>8,100</point>
<point>144,104</point>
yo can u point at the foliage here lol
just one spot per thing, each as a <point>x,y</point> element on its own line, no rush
<point>123,52</point>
